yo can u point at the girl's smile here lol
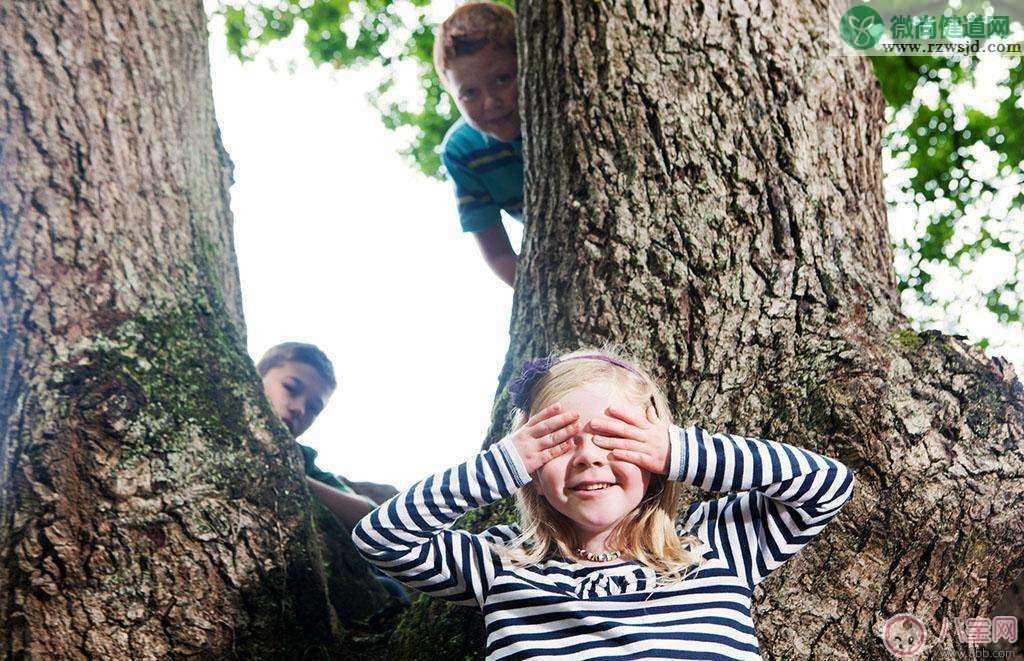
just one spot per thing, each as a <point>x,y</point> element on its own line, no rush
<point>591,489</point>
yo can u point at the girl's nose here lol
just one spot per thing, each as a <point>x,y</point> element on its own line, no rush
<point>586,451</point>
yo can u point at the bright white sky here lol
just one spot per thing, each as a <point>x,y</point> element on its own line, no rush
<point>343,244</point>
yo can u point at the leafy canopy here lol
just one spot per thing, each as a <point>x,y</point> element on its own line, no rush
<point>954,144</point>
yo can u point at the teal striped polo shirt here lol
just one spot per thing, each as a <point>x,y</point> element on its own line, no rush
<point>488,175</point>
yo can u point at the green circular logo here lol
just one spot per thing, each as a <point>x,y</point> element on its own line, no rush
<point>861,27</point>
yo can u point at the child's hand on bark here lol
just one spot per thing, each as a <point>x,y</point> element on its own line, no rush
<point>639,437</point>
<point>546,436</point>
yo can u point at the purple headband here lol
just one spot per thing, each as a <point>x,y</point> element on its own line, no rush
<point>533,370</point>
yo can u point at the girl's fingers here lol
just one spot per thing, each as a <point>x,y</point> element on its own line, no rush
<point>568,432</point>
<point>633,416</point>
<point>553,424</point>
<point>552,452</point>
<point>559,435</point>
<point>612,443</point>
<point>544,414</point>
<point>618,428</point>
<point>638,458</point>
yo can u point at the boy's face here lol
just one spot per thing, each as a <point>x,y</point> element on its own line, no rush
<point>484,85</point>
<point>297,393</point>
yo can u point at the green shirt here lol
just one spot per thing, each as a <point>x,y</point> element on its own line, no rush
<point>309,458</point>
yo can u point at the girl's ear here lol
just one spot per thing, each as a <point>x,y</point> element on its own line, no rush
<point>652,412</point>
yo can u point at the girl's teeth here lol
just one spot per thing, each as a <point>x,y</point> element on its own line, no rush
<point>594,487</point>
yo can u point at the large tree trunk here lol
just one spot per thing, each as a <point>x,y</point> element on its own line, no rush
<point>151,504</point>
<point>704,187</point>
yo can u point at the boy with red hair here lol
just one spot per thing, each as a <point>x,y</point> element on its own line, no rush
<point>475,58</point>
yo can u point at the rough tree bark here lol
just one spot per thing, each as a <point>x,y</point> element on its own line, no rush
<point>704,187</point>
<point>151,505</point>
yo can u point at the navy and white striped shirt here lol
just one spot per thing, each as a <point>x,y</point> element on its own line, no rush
<point>568,610</point>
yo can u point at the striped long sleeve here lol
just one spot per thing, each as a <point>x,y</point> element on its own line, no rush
<point>786,495</point>
<point>408,537</point>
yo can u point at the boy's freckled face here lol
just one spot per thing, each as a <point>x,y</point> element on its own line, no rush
<point>297,393</point>
<point>585,484</point>
<point>484,86</point>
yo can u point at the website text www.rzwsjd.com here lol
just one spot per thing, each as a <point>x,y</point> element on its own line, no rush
<point>972,47</point>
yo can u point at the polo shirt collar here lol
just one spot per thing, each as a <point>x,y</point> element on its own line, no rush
<point>516,144</point>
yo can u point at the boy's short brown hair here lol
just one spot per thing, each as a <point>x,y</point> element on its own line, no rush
<point>470,28</point>
<point>298,352</point>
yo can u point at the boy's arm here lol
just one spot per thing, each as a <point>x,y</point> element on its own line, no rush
<point>479,214</point>
<point>787,494</point>
<point>497,251</point>
<point>346,506</point>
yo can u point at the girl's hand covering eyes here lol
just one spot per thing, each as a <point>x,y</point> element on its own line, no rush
<point>634,436</point>
<point>545,436</point>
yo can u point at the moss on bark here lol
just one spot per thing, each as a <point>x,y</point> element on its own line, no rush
<point>195,531</point>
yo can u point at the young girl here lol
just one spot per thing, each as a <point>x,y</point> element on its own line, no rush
<point>598,569</point>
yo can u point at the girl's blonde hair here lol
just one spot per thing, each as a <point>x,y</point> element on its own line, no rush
<point>648,533</point>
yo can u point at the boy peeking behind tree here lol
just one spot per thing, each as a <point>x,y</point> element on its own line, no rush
<point>475,58</point>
